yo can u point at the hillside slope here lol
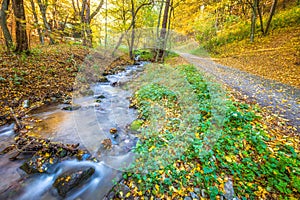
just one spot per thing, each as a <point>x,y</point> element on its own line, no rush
<point>275,57</point>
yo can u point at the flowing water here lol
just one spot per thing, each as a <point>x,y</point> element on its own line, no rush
<point>107,108</point>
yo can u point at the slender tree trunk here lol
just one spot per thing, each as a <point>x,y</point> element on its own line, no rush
<point>43,9</point>
<point>169,26</point>
<point>86,18</point>
<point>21,35</point>
<point>36,22</point>
<point>163,31</point>
<point>284,4</point>
<point>272,12</point>
<point>260,17</point>
<point>131,25</point>
<point>119,43</point>
<point>132,31</point>
<point>159,17</point>
<point>157,31</point>
<point>253,20</point>
<point>6,33</point>
<point>87,21</point>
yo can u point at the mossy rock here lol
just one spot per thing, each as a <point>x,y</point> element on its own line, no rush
<point>136,125</point>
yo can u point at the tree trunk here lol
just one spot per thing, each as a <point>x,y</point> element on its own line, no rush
<point>159,17</point>
<point>132,24</point>
<point>6,33</point>
<point>284,4</point>
<point>163,32</point>
<point>253,20</point>
<point>86,18</point>
<point>87,25</point>
<point>36,22</point>
<point>272,12</point>
<point>43,9</point>
<point>260,17</point>
<point>21,36</point>
<point>132,31</point>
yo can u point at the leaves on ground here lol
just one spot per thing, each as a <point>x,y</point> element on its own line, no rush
<point>261,162</point>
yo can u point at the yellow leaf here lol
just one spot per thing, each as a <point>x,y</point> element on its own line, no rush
<point>228,158</point>
<point>151,148</point>
<point>128,194</point>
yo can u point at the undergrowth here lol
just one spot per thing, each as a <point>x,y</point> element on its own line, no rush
<point>193,139</point>
<point>236,29</point>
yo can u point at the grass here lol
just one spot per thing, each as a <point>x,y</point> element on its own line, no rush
<point>195,139</point>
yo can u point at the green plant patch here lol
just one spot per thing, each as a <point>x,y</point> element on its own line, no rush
<point>193,139</point>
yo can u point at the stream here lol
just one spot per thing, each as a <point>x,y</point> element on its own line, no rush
<point>108,108</point>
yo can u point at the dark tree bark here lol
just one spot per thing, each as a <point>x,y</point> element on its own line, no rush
<point>163,32</point>
<point>253,5</point>
<point>132,30</point>
<point>272,12</point>
<point>260,17</point>
<point>36,22</point>
<point>43,8</point>
<point>6,33</point>
<point>21,35</point>
<point>85,18</point>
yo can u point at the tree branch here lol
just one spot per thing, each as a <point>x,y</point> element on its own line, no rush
<point>97,9</point>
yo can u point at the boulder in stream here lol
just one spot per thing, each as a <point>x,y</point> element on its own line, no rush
<point>72,179</point>
<point>102,79</point>
<point>71,107</point>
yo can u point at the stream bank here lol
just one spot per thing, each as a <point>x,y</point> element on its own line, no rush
<point>99,124</point>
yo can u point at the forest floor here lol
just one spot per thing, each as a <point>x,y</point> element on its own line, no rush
<point>275,57</point>
<point>47,76</point>
<point>198,143</point>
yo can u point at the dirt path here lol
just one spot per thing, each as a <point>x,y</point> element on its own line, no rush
<point>281,99</point>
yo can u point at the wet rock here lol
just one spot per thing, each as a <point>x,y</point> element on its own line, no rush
<point>197,190</point>
<point>67,101</point>
<point>188,198</point>
<point>113,131</point>
<point>203,194</point>
<point>26,103</point>
<point>101,96</point>
<point>193,195</point>
<point>139,69</point>
<point>72,179</point>
<point>229,191</point>
<point>71,107</point>
<point>38,164</point>
<point>106,143</point>
<point>114,84</point>
<point>102,79</point>
<point>46,154</point>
